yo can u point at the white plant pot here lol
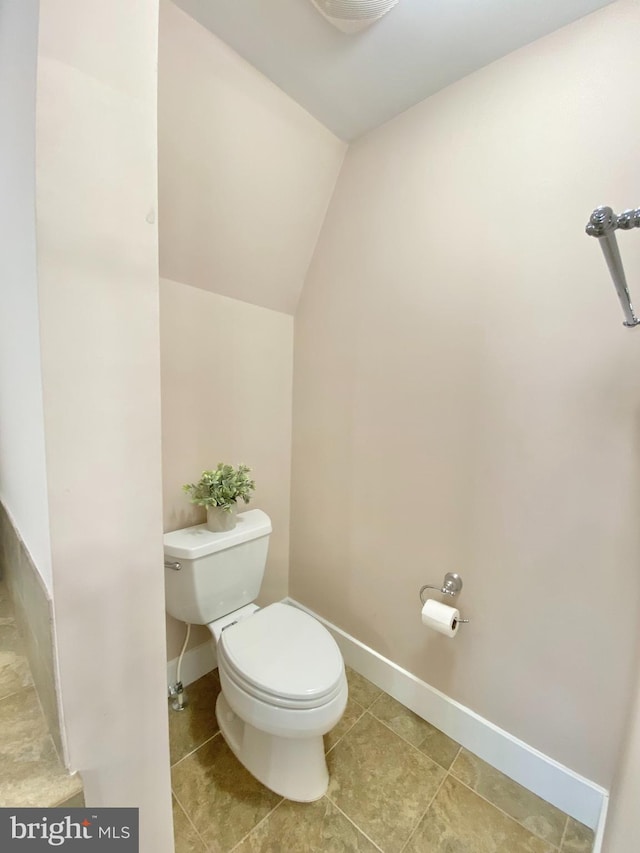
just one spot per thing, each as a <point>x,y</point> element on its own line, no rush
<point>219,519</point>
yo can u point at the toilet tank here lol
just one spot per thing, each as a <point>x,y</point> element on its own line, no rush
<point>219,572</point>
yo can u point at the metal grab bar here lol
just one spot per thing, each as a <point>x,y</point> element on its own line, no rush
<point>602,224</point>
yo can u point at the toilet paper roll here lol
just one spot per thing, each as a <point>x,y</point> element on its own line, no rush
<point>441,617</point>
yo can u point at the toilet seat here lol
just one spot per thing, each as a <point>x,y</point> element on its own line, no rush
<point>283,657</point>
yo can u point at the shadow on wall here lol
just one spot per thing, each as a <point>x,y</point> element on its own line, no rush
<point>188,516</point>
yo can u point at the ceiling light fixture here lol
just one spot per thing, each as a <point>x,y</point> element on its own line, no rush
<point>352,16</point>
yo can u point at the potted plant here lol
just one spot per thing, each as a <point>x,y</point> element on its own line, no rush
<point>219,491</point>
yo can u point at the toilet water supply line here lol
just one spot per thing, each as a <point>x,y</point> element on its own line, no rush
<point>177,690</point>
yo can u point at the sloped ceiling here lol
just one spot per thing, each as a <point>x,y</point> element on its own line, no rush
<point>245,173</point>
<point>352,83</point>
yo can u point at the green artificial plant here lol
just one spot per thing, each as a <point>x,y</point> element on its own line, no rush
<point>222,487</point>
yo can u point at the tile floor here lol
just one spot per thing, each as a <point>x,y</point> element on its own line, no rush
<point>31,773</point>
<point>398,785</point>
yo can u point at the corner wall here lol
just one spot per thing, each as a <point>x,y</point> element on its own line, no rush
<point>623,821</point>
<point>226,397</point>
<point>98,287</point>
<point>23,477</point>
<point>245,178</point>
<point>465,397</point>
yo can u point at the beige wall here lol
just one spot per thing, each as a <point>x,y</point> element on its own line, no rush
<point>245,178</point>
<point>22,461</point>
<point>466,398</point>
<point>98,288</point>
<point>226,397</point>
<point>245,173</point>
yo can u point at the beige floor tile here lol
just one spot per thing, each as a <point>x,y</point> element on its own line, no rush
<point>37,779</point>
<point>30,771</point>
<point>14,666</point>
<point>185,836</point>
<point>540,817</point>
<point>381,782</point>
<point>360,689</point>
<point>22,726</point>
<point>6,605</point>
<point>411,727</point>
<point>14,672</point>
<point>10,638</point>
<point>222,799</point>
<point>310,827</point>
<point>578,838</point>
<point>351,715</point>
<point>75,802</point>
<point>459,821</point>
<point>190,728</point>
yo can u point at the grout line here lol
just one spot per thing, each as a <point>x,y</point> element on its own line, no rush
<point>424,813</point>
<point>566,827</point>
<point>195,749</point>
<point>506,814</point>
<point>259,823</point>
<point>412,745</point>
<point>21,690</point>
<point>435,728</point>
<point>186,814</point>
<point>369,710</point>
<point>369,706</point>
<point>353,823</point>
<point>364,711</point>
<point>415,748</point>
<point>373,701</point>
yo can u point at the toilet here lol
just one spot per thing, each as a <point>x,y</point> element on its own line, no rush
<point>281,672</point>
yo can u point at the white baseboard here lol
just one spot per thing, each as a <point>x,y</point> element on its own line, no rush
<point>599,839</point>
<point>571,793</point>
<point>196,662</point>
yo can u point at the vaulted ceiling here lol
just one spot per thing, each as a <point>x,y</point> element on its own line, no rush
<point>352,83</point>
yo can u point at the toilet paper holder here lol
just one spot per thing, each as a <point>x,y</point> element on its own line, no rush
<point>451,585</point>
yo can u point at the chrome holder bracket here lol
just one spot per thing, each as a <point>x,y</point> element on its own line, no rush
<point>451,585</point>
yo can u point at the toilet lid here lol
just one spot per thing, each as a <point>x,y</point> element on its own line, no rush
<point>284,653</point>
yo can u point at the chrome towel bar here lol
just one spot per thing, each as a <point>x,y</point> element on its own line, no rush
<point>603,224</point>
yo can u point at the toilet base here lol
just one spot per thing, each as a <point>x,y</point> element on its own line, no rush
<point>295,767</point>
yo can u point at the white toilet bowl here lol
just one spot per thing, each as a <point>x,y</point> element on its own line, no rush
<point>283,687</point>
<point>282,674</point>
